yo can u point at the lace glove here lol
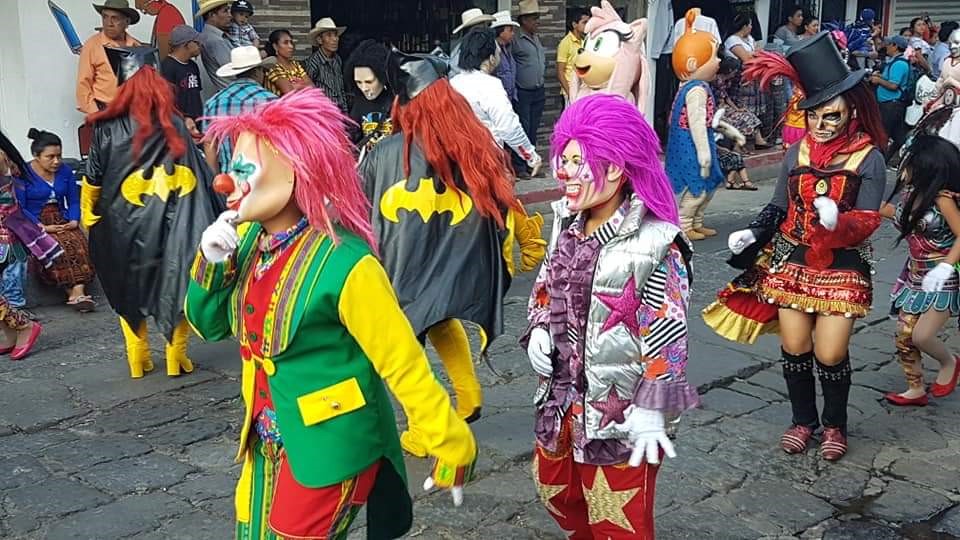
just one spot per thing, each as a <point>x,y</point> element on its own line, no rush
<point>539,350</point>
<point>647,435</point>
<point>740,240</point>
<point>936,278</point>
<point>220,239</point>
<point>828,212</point>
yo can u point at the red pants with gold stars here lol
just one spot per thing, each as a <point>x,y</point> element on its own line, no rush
<point>592,501</point>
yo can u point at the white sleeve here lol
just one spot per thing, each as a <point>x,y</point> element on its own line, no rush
<point>506,123</point>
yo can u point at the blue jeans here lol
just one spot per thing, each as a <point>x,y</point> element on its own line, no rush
<point>11,283</point>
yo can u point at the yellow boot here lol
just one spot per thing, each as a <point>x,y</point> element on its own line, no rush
<point>176,352</point>
<point>450,340</point>
<point>138,348</point>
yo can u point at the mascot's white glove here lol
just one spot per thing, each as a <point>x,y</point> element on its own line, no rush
<point>827,211</point>
<point>220,239</point>
<point>535,163</point>
<point>740,240</point>
<point>936,278</point>
<point>645,429</point>
<point>539,349</point>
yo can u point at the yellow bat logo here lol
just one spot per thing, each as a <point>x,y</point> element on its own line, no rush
<point>425,201</point>
<point>161,184</point>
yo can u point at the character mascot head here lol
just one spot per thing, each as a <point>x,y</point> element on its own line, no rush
<point>695,53</point>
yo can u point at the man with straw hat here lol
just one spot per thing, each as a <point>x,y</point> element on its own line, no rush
<point>470,18</point>
<point>96,83</point>
<point>214,39</point>
<point>531,67</point>
<point>324,66</point>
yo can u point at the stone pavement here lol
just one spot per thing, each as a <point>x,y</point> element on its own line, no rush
<point>91,454</point>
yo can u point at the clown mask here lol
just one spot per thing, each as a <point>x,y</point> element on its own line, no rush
<point>954,43</point>
<point>828,121</point>
<point>581,189</point>
<point>262,181</point>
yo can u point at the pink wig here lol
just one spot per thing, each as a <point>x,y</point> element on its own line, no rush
<point>611,131</point>
<point>307,130</point>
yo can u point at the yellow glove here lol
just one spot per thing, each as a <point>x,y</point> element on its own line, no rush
<point>89,195</point>
<point>532,246</point>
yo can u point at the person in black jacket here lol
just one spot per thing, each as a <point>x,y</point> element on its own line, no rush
<point>366,67</point>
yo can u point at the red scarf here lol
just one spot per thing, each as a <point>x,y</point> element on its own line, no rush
<point>821,154</point>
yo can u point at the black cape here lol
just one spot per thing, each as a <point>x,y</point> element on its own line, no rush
<point>153,210</point>
<point>445,260</point>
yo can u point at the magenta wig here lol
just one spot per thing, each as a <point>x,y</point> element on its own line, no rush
<point>611,131</point>
<point>307,130</point>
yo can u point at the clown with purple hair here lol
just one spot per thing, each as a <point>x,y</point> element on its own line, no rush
<point>300,286</point>
<point>608,324</point>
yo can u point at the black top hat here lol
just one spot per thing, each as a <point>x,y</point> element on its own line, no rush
<point>410,74</point>
<point>126,61</point>
<point>822,71</point>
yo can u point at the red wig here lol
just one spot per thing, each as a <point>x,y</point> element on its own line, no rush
<point>444,126</point>
<point>148,99</point>
<point>863,102</point>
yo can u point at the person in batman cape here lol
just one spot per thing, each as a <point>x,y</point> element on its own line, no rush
<point>291,271</point>
<point>441,202</point>
<point>146,199</point>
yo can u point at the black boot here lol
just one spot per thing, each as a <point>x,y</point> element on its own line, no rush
<point>801,387</point>
<point>835,382</point>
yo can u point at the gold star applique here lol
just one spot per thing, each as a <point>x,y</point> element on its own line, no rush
<point>547,492</point>
<point>604,503</point>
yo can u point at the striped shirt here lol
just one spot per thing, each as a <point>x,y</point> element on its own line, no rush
<point>327,75</point>
<point>240,96</point>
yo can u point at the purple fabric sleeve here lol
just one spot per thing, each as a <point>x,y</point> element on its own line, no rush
<point>674,396</point>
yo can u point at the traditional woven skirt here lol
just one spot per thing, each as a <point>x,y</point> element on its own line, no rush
<point>74,266</point>
<point>729,160</point>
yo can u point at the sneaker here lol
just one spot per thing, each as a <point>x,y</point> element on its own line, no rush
<point>833,444</point>
<point>795,439</point>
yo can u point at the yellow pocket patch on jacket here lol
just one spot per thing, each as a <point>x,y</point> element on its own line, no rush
<point>330,402</point>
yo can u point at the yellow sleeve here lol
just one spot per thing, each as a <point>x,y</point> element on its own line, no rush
<point>370,312</point>
<point>563,50</point>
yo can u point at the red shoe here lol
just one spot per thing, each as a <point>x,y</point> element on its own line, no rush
<point>900,401</point>
<point>20,352</point>
<point>833,444</point>
<point>944,390</point>
<point>795,439</point>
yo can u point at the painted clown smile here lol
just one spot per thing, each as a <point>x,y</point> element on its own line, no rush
<point>233,203</point>
<point>572,190</point>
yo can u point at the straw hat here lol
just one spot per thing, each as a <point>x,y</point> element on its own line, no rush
<point>244,59</point>
<point>472,17</point>
<point>529,7</point>
<point>326,24</point>
<point>123,6</point>
<point>502,18</point>
<point>209,5</point>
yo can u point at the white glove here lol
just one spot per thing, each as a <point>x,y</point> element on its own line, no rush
<point>828,212</point>
<point>220,239</point>
<point>740,240</point>
<point>535,163</point>
<point>935,279</point>
<point>539,349</point>
<point>456,491</point>
<point>645,429</point>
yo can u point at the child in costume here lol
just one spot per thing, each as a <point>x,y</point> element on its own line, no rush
<point>929,219</point>
<point>691,163</point>
<point>794,120</point>
<point>808,266</point>
<point>320,331</point>
<point>608,328</point>
<point>145,201</point>
<point>613,59</point>
<point>441,198</point>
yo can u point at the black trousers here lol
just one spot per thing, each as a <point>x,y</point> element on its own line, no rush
<point>892,113</point>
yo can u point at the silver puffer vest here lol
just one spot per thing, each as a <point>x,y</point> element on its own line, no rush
<point>612,358</point>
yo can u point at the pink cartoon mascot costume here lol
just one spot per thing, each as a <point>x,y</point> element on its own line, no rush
<point>613,59</point>
<point>608,325</point>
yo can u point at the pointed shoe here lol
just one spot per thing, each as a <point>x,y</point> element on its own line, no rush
<point>896,399</point>
<point>18,353</point>
<point>944,390</point>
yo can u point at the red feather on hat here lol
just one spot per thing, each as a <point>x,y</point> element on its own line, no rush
<point>767,65</point>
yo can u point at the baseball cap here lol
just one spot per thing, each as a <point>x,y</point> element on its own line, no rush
<point>242,6</point>
<point>899,41</point>
<point>867,15</point>
<point>183,34</point>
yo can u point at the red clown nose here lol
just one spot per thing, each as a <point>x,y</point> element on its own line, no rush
<point>223,183</point>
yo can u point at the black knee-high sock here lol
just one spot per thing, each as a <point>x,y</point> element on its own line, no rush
<point>801,387</point>
<point>835,382</point>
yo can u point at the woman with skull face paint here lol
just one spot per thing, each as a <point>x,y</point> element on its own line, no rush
<point>808,262</point>
<point>608,327</point>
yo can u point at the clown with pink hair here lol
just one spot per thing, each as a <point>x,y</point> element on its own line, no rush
<point>608,324</point>
<point>291,271</point>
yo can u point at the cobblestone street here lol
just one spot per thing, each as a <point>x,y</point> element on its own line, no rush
<point>90,454</point>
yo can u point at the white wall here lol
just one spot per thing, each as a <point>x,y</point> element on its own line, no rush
<point>38,72</point>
